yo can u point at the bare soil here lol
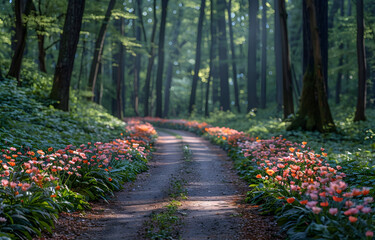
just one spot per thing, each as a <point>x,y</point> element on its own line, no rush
<point>214,207</point>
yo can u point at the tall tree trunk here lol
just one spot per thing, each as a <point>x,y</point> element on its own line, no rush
<point>341,60</point>
<point>81,65</point>
<point>212,51</point>
<point>150,63</point>
<point>223,57</point>
<point>98,51</point>
<point>197,58</point>
<point>287,74</point>
<point>118,72</point>
<point>173,57</point>
<point>215,63</point>
<point>322,15</point>
<point>159,76</point>
<point>252,56</point>
<point>361,57</point>
<point>68,47</point>
<point>234,59</point>
<point>278,58</point>
<point>137,62</point>
<point>314,112</point>
<point>263,87</point>
<point>21,8</point>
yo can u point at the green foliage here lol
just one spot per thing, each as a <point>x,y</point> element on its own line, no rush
<point>28,120</point>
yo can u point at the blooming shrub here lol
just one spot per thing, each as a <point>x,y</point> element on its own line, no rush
<point>35,186</point>
<point>309,195</point>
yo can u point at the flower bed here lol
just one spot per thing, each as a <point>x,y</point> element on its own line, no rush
<point>36,186</point>
<point>308,194</point>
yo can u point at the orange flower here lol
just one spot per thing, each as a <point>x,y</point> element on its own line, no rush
<point>57,188</point>
<point>110,179</point>
<point>290,200</point>
<point>365,191</point>
<point>337,199</point>
<point>12,164</point>
<point>303,202</point>
<point>53,196</point>
<point>40,152</point>
<point>258,176</point>
<point>50,149</point>
<point>270,172</point>
<point>291,149</point>
<point>352,219</point>
<point>304,143</point>
<point>324,204</point>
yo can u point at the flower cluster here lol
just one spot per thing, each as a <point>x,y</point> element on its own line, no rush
<point>298,178</point>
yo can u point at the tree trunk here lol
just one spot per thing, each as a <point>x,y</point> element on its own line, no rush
<point>287,74</point>
<point>81,65</point>
<point>68,47</point>
<point>322,15</point>
<point>234,59</point>
<point>150,63</point>
<point>99,49</point>
<point>361,57</point>
<point>314,112</point>
<point>278,58</point>
<point>341,60</point>
<point>223,57</point>
<point>263,92</point>
<point>21,33</point>
<point>173,57</point>
<point>137,62</point>
<point>159,76</point>
<point>215,65</point>
<point>212,51</point>
<point>252,56</point>
<point>118,72</point>
<point>197,58</point>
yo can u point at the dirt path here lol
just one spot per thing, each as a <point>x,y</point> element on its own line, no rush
<point>212,208</point>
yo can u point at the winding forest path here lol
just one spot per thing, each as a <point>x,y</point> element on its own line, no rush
<point>211,208</point>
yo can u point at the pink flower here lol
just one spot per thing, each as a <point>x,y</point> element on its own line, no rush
<point>316,210</point>
<point>333,211</point>
<point>314,196</point>
<point>349,203</point>
<point>366,210</point>
<point>4,182</point>
<point>369,234</point>
<point>13,184</point>
<point>311,204</point>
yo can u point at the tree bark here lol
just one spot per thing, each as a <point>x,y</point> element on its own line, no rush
<point>234,59</point>
<point>150,63</point>
<point>341,60</point>
<point>263,87</point>
<point>197,58</point>
<point>252,52</point>
<point>314,112</point>
<point>98,51</point>
<point>118,72</point>
<point>159,76</point>
<point>173,57</point>
<point>215,65</point>
<point>21,8</point>
<point>68,47</point>
<point>137,62</point>
<point>361,57</point>
<point>322,15</point>
<point>287,74</point>
<point>278,57</point>
<point>223,57</point>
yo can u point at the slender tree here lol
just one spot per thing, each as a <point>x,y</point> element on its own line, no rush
<point>68,47</point>
<point>98,51</point>
<point>214,58</point>
<point>159,76</point>
<point>197,57</point>
<point>118,72</point>
<point>223,57</point>
<point>263,86</point>
<point>252,56</point>
<point>212,65</point>
<point>361,58</point>
<point>137,60</point>
<point>287,73</point>
<point>150,63</point>
<point>314,112</point>
<point>172,58</point>
<point>278,57</point>
<point>341,59</point>
<point>21,8</point>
